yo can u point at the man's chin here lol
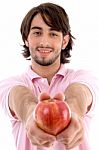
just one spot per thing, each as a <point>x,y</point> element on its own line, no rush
<point>44,63</point>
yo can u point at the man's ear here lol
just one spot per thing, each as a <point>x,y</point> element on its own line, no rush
<point>26,43</point>
<point>66,39</point>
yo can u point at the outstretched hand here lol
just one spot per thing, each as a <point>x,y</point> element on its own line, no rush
<point>46,96</point>
<point>37,136</point>
<point>70,137</point>
<point>73,135</point>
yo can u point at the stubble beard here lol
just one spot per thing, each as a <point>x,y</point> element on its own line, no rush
<point>44,62</point>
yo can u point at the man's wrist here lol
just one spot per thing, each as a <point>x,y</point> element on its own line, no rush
<point>30,110</point>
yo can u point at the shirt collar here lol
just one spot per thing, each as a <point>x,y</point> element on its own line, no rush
<point>32,75</point>
<point>62,70</point>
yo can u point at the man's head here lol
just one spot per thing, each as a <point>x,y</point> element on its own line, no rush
<point>55,17</point>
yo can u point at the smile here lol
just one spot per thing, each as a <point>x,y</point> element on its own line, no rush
<point>44,50</point>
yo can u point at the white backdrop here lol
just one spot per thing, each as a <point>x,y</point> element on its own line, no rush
<point>84,20</point>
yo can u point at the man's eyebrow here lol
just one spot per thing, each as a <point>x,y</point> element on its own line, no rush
<point>39,28</point>
<point>53,29</point>
<point>36,27</point>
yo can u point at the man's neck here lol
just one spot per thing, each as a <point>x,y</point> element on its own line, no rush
<point>46,71</point>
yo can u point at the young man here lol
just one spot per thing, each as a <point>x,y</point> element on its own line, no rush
<point>47,42</point>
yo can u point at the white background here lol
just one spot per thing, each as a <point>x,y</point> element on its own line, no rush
<point>84,20</point>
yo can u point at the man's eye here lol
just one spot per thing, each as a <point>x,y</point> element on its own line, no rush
<point>53,34</point>
<point>37,33</point>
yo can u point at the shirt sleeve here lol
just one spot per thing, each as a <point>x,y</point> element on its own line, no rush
<point>5,87</point>
<point>92,82</point>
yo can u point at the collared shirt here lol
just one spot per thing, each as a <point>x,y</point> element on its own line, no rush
<point>60,81</point>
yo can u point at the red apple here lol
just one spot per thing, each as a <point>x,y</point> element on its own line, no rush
<point>52,115</point>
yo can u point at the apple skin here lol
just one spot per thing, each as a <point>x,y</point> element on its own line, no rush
<point>52,115</point>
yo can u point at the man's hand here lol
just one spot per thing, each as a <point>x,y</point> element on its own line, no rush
<point>37,136</point>
<point>73,134</point>
<point>79,99</point>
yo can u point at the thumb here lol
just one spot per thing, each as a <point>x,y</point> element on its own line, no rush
<point>59,96</point>
<point>44,96</point>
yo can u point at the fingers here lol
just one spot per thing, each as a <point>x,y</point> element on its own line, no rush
<point>73,135</point>
<point>78,136</point>
<point>75,142</point>
<point>44,96</point>
<point>39,142</point>
<point>69,144</point>
<point>59,96</point>
<point>38,137</point>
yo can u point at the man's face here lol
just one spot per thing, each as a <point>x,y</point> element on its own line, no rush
<point>44,43</point>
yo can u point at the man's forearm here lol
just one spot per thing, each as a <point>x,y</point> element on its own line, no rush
<point>22,102</point>
<point>79,98</point>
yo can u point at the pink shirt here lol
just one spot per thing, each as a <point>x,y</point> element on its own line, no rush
<point>60,81</point>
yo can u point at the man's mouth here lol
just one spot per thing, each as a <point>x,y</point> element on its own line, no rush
<point>44,51</point>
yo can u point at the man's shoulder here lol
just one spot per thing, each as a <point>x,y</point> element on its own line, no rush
<point>21,78</point>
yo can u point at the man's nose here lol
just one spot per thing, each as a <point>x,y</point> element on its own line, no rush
<point>45,41</point>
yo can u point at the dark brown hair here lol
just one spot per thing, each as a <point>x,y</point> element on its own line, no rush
<point>55,17</point>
